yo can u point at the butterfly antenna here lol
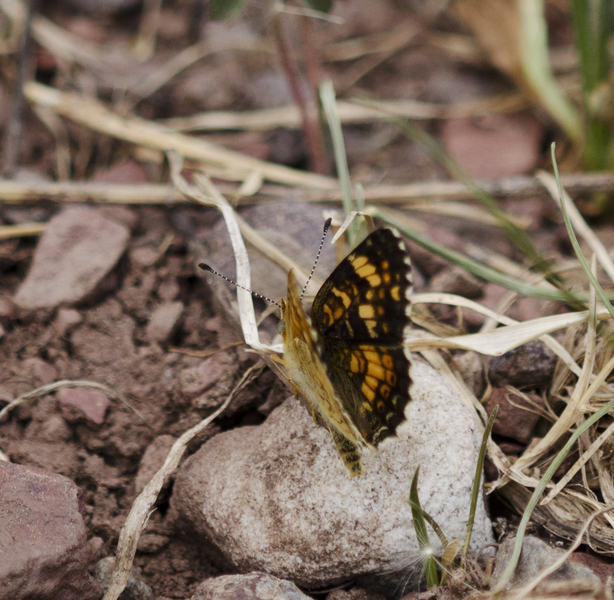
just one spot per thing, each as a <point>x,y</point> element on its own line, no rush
<point>206,267</point>
<point>326,228</point>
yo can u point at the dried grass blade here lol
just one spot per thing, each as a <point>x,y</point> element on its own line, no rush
<point>544,481</point>
<point>96,116</point>
<point>211,197</point>
<point>454,300</point>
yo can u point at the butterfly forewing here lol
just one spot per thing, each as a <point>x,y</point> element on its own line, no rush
<point>362,314</point>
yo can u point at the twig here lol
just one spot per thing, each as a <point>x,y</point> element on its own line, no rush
<point>309,114</point>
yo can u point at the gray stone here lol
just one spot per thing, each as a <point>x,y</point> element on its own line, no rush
<point>136,588</point>
<point>253,586</point>
<point>78,249</point>
<point>278,498</point>
<point>535,557</point>
<point>43,538</point>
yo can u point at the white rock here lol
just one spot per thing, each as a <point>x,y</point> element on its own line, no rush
<point>277,498</point>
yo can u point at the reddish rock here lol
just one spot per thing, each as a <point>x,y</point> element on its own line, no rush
<point>79,403</point>
<point>494,146</point>
<point>128,171</point>
<point>43,538</point>
<point>598,566</point>
<point>516,418</point>
<point>195,380</point>
<point>78,249</point>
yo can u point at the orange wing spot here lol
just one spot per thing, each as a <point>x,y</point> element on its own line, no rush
<point>385,265</point>
<point>366,311</point>
<point>344,297</point>
<point>359,261</point>
<point>368,393</point>
<point>354,364</point>
<point>371,324</point>
<point>384,391</point>
<point>387,361</point>
<point>381,294</point>
<point>380,310</point>
<point>395,293</point>
<point>374,280</point>
<point>329,314</point>
<point>372,356</point>
<point>376,371</point>
<point>366,270</point>
<point>391,378</point>
<point>381,407</point>
<point>369,295</point>
<point>371,382</point>
<point>385,327</point>
<point>386,278</point>
<point>338,313</point>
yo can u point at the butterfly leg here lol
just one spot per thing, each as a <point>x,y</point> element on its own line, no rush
<point>348,451</point>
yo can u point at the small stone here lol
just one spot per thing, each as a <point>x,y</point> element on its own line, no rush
<point>535,557</point>
<point>43,538</point>
<point>194,381</point>
<point>78,403</point>
<point>78,249</point>
<point>253,586</point>
<point>146,256</point>
<point>528,366</point>
<point>516,418</point>
<point>66,320</point>
<point>152,460</point>
<point>164,322</point>
<point>136,588</point>
<point>36,371</point>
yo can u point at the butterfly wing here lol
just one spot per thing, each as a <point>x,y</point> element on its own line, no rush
<point>362,314</point>
<point>307,372</point>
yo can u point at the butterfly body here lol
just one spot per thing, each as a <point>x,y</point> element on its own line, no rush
<point>348,360</point>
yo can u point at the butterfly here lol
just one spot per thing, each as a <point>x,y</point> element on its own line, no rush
<point>348,360</point>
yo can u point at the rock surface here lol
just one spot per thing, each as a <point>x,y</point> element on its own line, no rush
<point>253,586</point>
<point>43,541</point>
<point>277,497</point>
<point>78,249</point>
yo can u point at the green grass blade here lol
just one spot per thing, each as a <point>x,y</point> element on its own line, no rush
<point>356,230</point>
<point>574,240</point>
<point>477,479</point>
<point>472,266</point>
<point>428,560</point>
